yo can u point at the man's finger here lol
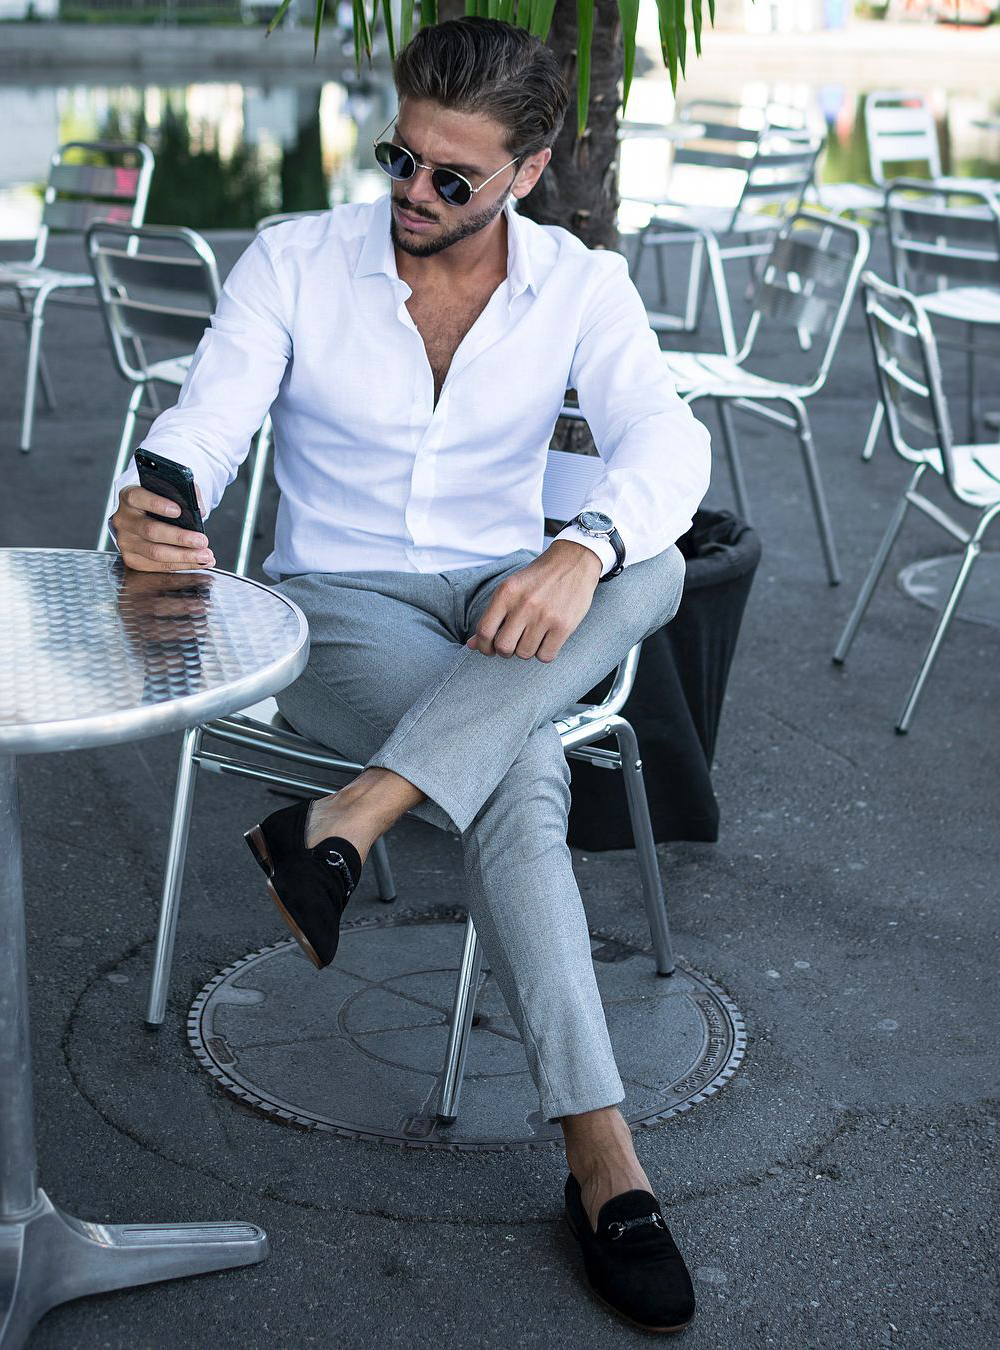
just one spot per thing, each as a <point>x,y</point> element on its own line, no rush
<point>138,499</point>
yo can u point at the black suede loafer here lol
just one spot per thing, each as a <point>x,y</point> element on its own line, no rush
<point>631,1261</point>
<point>310,886</point>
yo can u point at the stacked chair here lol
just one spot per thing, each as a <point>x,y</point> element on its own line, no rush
<point>88,181</point>
<point>916,411</point>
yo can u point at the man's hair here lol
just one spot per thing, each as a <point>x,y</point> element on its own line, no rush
<point>489,67</point>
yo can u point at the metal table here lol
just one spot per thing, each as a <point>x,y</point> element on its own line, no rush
<point>93,654</point>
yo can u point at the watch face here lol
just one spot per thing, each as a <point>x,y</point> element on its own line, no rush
<point>597,521</point>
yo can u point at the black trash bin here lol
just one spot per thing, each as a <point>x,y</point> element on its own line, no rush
<point>676,701</point>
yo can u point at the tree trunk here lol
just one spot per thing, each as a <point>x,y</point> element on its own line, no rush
<point>579,188</point>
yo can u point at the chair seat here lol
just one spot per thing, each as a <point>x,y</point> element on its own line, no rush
<point>850,197</point>
<point>714,219</point>
<point>977,472</point>
<point>713,373</point>
<point>171,371</point>
<point>966,304</point>
<point>265,717</point>
<point>27,277</point>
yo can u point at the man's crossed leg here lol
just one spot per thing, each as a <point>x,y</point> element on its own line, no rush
<point>465,740</point>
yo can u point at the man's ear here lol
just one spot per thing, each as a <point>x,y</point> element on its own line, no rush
<point>530,172</point>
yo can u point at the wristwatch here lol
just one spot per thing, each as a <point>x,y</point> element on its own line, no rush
<point>600,526</point>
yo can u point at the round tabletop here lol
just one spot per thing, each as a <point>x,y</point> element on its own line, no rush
<point>94,653</point>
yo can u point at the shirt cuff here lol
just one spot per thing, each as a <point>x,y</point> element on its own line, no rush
<point>604,548</point>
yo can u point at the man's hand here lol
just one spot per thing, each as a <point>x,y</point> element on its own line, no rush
<point>151,545</point>
<point>534,610</point>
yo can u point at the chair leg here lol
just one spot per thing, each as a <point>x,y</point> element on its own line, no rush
<point>48,392</point>
<point>733,459</point>
<point>254,491</point>
<point>968,559</point>
<point>173,876</point>
<point>876,426</point>
<point>970,366</point>
<point>31,378</point>
<point>383,872</point>
<point>692,309</point>
<point>874,573</point>
<point>460,1026</point>
<point>816,491</point>
<point>124,450</point>
<point>717,271</point>
<point>645,848</point>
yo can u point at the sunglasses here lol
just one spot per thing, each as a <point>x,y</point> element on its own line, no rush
<point>450,186</point>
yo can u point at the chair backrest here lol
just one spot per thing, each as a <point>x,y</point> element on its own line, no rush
<point>899,129</point>
<point>156,284</point>
<point>279,217</point>
<point>806,288</point>
<point>909,376</point>
<point>940,238</point>
<point>781,170</point>
<point>94,180</point>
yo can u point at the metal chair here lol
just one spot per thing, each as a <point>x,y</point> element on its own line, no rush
<point>777,165</point>
<point>944,246</point>
<point>113,188</point>
<point>157,288</point>
<point>808,284</point>
<point>909,377</point>
<point>306,767</point>
<point>899,129</point>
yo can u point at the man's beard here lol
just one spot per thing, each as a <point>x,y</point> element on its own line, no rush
<point>467,225</point>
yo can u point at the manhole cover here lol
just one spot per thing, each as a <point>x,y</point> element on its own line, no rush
<point>930,582</point>
<point>357,1049</point>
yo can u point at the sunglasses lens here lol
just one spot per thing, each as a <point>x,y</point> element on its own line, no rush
<point>452,189</point>
<point>397,162</point>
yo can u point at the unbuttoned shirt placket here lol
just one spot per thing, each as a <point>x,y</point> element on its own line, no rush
<point>429,423</point>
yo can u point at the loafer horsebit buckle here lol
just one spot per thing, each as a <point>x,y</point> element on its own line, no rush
<point>617,1229</point>
<point>337,860</point>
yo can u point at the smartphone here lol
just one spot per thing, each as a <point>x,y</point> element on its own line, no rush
<point>174,481</point>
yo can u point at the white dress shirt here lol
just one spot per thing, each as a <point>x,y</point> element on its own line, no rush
<point>313,325</point>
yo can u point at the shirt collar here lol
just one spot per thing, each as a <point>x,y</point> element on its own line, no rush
<point>378,256</point>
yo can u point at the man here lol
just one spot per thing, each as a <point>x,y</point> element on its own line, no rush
<point>416,352</point>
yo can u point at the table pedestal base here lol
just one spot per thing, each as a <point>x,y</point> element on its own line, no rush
<point>49,1257</point>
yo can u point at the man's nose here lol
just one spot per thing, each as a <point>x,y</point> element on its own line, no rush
<point>420,189</point>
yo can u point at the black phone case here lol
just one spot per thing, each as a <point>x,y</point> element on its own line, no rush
<point>169,479</point>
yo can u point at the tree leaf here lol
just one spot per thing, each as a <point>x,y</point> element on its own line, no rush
<point>505,11</point>
<point>389,33</point>
<point>320,7</point>
<point>278,17</point>
<point>428,12</point>
<point>629,11</point>
<point>682,33</point>
<point>541,17</point>
<point>667,17</point>
<point>584,43</point>
<point>406,22</point>
<point>696,25</point>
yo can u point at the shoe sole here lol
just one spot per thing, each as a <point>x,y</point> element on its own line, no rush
<point>257,845</point>
<point>643,1326</point>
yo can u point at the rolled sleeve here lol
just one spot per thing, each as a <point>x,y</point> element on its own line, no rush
<point>233,379</point>
<point>656,454</point>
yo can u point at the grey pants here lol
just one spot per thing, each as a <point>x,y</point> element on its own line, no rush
<point>391,684</point>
